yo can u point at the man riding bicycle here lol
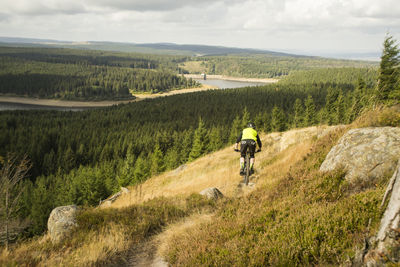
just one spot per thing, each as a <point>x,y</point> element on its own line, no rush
<point>247,139</point>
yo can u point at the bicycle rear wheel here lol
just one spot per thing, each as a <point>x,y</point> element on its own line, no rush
<point>247,174</point>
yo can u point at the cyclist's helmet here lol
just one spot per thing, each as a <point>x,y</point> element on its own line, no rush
<point>251,125</point>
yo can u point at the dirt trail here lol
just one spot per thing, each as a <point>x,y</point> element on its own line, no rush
<point>149,253</point>
<point>145,254</point>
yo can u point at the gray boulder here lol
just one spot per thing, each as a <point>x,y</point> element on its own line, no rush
<point>366,153</point>
<point>61,222</point>
<point>212,193</point>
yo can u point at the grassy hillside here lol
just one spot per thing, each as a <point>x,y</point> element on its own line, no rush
<point>293,215</point>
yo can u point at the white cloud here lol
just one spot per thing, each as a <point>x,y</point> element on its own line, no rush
<point>42,7</point>
<point>286,24</point>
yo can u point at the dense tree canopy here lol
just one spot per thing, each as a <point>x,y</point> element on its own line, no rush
<point>265,66</point>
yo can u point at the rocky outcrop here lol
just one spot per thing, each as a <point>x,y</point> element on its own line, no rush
<point>61,222</point>
<point>301,135</point>
<point>385,246</point>
<point>107,202</point>
<point>212,193</point>
<point>366,153</point>
<point>280,141</point>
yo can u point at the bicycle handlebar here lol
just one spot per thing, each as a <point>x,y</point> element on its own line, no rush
<point>238,150</point>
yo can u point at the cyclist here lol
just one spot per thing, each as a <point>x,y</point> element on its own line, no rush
<point>248,138</point>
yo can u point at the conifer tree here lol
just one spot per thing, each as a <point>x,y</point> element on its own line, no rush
<point>171,159</point>
<point>199,141</point>
<point>141,171</point>
<point>330,108</point>
<point>298,113</point>
<point>245,117</point>
<point>357,101</point>
<point>41,203</point>
<point>339,115</point>
<point>126,176</point>
<point>277,120</point>
<point>215,140</point>
<point>69,159</point>
<point>388,81</point>
<point>157,160</point>
<point>235,129</point>
<point>310,115</point>
<point>186,146</point>
<point>260,121</point>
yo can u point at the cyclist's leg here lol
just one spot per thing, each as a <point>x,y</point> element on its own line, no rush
<point>243,148</point>
<point>252,149</point>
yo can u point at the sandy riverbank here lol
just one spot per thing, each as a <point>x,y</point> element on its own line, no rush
<point>236,79</point>
<point>93,104</point>
<point>59,103</point>
<point>205,87</point>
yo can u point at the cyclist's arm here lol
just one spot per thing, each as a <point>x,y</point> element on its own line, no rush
<point>238,140</point>
<point>259,142</point>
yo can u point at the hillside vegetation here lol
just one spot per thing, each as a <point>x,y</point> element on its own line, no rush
<point>293,215</point>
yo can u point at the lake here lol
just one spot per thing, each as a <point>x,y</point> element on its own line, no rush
<point>226,84</point>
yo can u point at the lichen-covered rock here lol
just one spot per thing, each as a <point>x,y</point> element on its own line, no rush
<point>366,153</point>
<point>61,222</point>
<point>212,193</point>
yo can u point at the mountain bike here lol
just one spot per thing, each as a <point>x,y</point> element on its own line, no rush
<point>246,176</point>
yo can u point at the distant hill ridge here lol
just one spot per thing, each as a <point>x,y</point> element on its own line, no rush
<point>157,48</point>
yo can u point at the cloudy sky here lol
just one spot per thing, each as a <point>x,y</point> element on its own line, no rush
<point>309,26</point>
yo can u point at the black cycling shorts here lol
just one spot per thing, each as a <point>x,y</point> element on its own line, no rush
<point>247,143</point>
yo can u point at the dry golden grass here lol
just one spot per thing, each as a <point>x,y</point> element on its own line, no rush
<point>98,247</point>
<point>379,116</point>
<point>186,227</point>
<point>220,169</point>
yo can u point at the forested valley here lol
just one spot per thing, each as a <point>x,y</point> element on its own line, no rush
<point>83,157</point>
<point>86,75</point>
<point>72,74</point>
